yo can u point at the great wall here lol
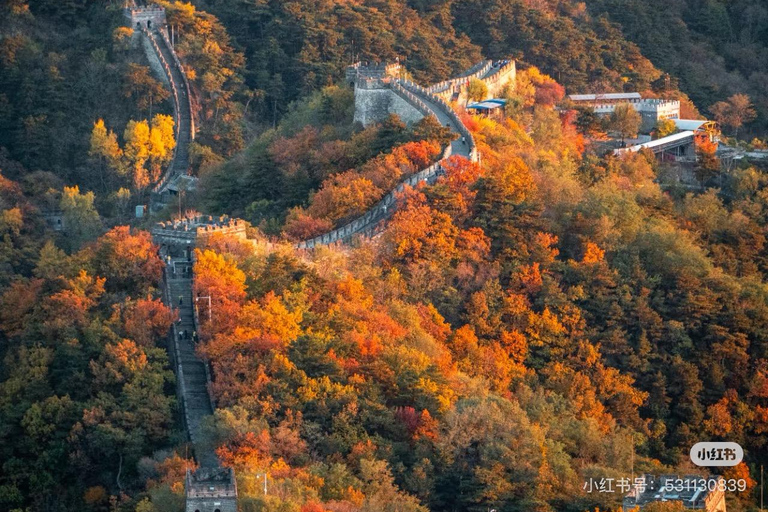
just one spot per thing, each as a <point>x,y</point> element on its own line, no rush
<point>149,23</point>
<point>379,92</point>
<point>210,488</point>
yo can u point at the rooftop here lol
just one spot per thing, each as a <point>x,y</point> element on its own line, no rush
<point>692,124</point>
<point>676,137</point>
<point>610,96</point>
<point>487,104</point>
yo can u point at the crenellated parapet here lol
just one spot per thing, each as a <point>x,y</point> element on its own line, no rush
<point>151,16</point>
<point>496,75</point>
<point>372,71</point>
<point>211,490</point>
<point>194,230</point>
<point>422,102</point>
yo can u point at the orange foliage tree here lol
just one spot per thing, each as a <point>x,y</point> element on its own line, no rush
<point>218,277</point>
<point>344,196</point>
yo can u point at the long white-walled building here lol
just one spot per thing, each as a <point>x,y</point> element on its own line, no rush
<point>651,109</point>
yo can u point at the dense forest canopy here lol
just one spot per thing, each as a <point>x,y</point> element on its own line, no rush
<point>548,315</point>
<point>249,60</point>
<point>714,48</point>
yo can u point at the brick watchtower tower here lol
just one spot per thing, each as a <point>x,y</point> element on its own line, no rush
<point>152,16</point>
<point>211,490</point>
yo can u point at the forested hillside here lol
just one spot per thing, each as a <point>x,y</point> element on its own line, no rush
<point>714,48</point>
<point>58,63</point>
<point>518,328</point>
<point>545,315</point>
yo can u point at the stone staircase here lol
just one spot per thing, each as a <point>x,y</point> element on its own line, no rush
<point>191,371</point>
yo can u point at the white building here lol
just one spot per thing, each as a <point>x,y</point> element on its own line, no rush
<point>652,110</point>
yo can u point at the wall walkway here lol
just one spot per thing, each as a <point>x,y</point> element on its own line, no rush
<point>150,21</point>
<point>428,103</point>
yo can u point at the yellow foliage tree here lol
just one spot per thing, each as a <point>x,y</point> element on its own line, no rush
<point>147,144</point>
<point>136,151</point>
<point>105,148</point>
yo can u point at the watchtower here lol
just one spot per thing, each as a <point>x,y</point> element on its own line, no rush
<point>211,490</point>
<point>379,71</point>
<point>151,16</point>
<point>375,97</point>
<point>185,234</point>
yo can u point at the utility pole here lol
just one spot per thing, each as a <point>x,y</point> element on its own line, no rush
<point>265,482</point>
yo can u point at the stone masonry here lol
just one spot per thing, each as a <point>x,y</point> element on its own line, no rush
<point>149,24</point>
<point>211,488</point>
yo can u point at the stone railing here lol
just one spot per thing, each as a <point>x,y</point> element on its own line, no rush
<point>184,81</point>
<point>177,100</point>
<point>383,210</point>
<point>499,74</point>
<point>175,353</point>
<point>411,98</point>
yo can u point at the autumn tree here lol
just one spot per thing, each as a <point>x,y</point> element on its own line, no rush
<point>130,258</point>
<point>218,277</point>
<point>477,90</point>
<point>148,148</point>
<point>665,127</point>
<point>345,196</point>
<point>301,226</point>
<point>162,142</point>
<point>105,149</point>
<point>588,122</point>
<point>625,121</point>
<point>734,112</point>
<point>81,220</point>
<point>136,152</point>
<point>140,86</point>
<point>707,162</point>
